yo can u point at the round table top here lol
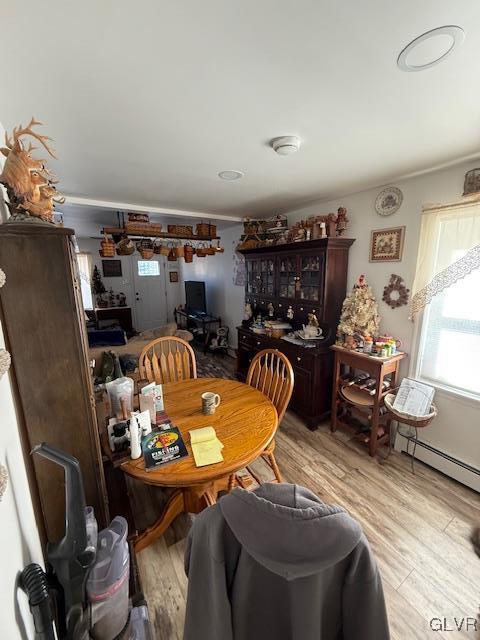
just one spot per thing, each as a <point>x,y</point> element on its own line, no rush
<point>245,422</point>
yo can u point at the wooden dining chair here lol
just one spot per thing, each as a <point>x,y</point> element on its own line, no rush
<point>271,373</point>
<point>167,359</point>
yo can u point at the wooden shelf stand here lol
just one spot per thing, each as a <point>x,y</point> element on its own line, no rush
<point>348,361</point>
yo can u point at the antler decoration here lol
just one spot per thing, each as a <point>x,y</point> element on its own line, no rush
<point>28,182</point>
<point>20,131</point>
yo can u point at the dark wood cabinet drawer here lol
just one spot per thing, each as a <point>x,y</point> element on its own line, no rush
<point>298,356</point>
<point>260,343</point>
<point>245,339</point>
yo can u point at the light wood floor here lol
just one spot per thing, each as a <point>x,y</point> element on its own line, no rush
<point>418,526</point>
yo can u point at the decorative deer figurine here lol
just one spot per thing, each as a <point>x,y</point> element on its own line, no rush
<point>29,184</point>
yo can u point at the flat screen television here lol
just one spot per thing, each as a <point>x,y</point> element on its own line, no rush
<point>195,296</point>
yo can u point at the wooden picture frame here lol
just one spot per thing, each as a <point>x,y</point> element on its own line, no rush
<point>386,245</point>
<point>112,268</point>
<point>173,275</point>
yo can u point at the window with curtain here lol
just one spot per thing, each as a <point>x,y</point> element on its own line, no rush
<point>85,270</point>
<point>446,297</point>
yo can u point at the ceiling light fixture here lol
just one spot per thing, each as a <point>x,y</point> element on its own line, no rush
<point>231,174</point>
<point>286,145</point>
<point>430,48</point>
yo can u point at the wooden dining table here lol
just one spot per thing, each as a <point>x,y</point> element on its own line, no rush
<point>245,422</point>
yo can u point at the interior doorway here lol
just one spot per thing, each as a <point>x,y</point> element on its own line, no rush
<point>150,292</point>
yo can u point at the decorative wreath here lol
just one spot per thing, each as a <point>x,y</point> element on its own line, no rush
<point>395,294</point>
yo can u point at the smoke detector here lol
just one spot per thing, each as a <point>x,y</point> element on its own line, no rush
<point>286,145</point>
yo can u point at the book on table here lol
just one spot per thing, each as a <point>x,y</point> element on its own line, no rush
<point>164,444</point>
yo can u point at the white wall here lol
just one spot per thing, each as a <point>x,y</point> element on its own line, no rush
<point>224,298</point>
<point>455,431</point>
<point>19,540</point>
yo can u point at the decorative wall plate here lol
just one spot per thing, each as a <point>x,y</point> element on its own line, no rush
<point>388,201</point>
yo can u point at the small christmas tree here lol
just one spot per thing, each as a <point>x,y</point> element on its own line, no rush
<point>97,283</point>
<point>359,312</point>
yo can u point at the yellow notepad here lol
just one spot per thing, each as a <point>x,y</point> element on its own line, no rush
<point>206,446</point>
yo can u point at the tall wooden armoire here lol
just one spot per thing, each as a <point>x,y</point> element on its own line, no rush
<point>44,325</point>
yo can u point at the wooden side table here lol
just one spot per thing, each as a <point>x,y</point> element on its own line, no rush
<point>378,369</point>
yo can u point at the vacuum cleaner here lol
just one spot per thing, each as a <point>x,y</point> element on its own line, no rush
<point>84,594</point>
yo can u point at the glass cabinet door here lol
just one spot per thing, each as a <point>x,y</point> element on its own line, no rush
<point>266,277</point>
<point>249,282</point>
<point>260,277</point>
<point>256,284</point>
<point>287,276</point>
<point>311,278</point>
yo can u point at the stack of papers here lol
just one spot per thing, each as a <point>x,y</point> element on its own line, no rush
<point>414,398</point>
<point>206,447</point>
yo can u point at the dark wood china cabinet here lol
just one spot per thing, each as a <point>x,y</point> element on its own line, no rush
<point>309,277</point>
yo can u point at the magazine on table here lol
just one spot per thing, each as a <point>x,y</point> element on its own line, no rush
<point>162,445</point>
<point>414,398</point>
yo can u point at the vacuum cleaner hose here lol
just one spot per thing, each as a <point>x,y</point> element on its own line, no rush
<point>35,584</point>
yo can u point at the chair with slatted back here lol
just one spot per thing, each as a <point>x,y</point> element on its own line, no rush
<point>167,359</point>
<point>271,373</point>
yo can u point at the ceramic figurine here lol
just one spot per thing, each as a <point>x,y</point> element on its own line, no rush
<point>342,221</point>
<point>312,320</point>
<point>350,343</point>
<point>271,310</point>
<point>300,235</point>
<point>290,313</point>
<point>247,315</point>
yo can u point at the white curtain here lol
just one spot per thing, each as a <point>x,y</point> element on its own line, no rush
<point>449,249</point>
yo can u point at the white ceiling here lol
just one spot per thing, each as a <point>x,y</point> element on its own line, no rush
<point>148,100</point>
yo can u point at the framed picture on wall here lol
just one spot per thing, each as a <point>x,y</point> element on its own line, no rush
<point>386,245</point>
<point>112,268</point>
<point>173,276</point>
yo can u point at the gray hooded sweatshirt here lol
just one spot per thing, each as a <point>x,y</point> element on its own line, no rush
<point>279,564</point>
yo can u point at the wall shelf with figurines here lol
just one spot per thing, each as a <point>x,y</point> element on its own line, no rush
<point>274,231</point>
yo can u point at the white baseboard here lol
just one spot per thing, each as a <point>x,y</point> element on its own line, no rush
<point>443,461</point>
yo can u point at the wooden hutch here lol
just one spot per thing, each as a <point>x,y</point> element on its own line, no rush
<point>310,277</point>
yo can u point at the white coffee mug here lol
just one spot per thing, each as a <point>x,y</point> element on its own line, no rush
<point>210,402</point>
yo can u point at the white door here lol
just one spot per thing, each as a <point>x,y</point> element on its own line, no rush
<point>150,292</point>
